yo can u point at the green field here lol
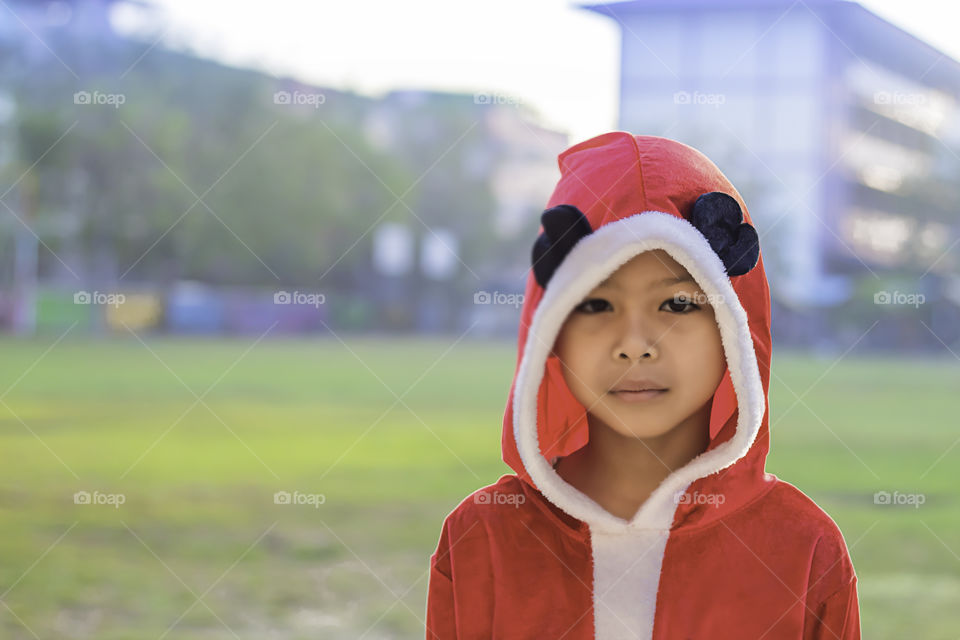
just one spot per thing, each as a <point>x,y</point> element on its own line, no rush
<point>393,434</point>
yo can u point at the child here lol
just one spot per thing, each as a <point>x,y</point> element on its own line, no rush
<point>637,424</point>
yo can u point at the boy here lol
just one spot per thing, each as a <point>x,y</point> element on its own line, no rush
<point>637,425</point>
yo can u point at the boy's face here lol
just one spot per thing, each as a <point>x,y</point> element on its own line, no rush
<point>634,327</point>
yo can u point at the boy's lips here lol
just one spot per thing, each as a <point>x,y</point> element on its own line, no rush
<point>639,396</point>
<point>639,390</point>
<point>639,384</point>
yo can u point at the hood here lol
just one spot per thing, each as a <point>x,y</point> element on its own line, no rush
<point>620,195</point>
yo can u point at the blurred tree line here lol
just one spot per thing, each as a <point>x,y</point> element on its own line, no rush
<point>175,168</point>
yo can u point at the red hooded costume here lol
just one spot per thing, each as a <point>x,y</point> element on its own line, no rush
<point>533,557</point>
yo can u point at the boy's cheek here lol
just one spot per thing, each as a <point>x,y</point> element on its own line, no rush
<point>559,341</point>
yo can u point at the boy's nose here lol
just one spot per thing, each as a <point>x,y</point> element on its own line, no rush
<point>636,342</point>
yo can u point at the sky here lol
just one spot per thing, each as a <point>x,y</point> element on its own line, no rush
<point>551,55</point>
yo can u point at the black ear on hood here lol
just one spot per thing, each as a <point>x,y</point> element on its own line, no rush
<point>718,217</point>
<point>563,226</point>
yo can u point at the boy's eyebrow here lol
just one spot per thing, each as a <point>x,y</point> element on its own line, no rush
<point>655,285</point>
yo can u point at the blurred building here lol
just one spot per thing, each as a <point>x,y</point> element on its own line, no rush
<point>839,128</point>
<point>487,168</point>
<point>514,154</point>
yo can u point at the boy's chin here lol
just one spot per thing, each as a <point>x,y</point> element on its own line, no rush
<point>629,426</point>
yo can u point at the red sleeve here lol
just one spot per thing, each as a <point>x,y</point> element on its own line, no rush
<point>835,618</point>
<point>441,613</point>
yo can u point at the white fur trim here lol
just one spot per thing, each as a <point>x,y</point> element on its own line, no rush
<point>629,595</point>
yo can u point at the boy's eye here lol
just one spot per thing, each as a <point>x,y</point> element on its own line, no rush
<point>680,304</point>
<point>592,305</point>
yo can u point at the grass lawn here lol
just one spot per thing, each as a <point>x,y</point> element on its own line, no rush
<point>197,435</point>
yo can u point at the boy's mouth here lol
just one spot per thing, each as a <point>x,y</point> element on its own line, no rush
<point>638,384</point>
<point>639,390</point>
<point>639,396</point>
